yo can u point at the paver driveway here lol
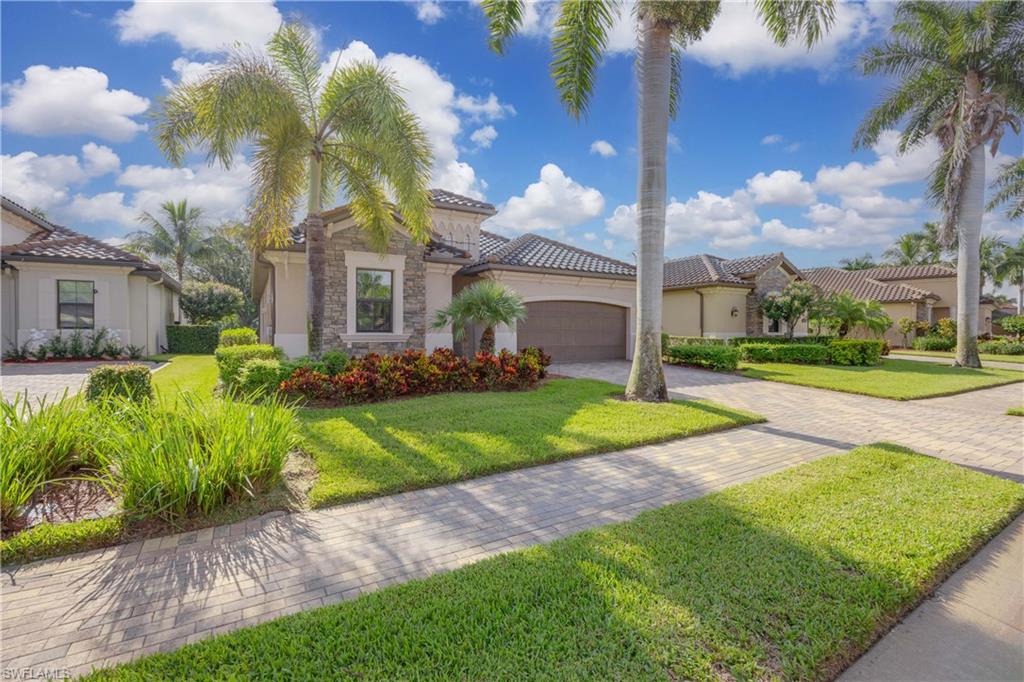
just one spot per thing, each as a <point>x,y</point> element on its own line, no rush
<point>46,380</point>
<point>103,607</point>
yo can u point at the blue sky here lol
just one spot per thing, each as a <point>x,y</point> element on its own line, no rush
<point>760,157</point>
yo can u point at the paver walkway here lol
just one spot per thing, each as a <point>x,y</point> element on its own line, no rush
<point>995,364</point>
<point>103,607</point>
<point>46,380</point>
<point>972,629</point>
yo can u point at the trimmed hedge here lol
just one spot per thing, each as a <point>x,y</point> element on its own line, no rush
<point>192,339</point>
<point>239,336</point>
<point>800,353</point>
<point>129,381</point>
<point>696,341</point>
<point>717,358</point>
<point>231,358</point>
<point>856,352</point>
<point>934,343</point>
<point>1001,347</point>
<point>259,377</point>
<point>744,340</point>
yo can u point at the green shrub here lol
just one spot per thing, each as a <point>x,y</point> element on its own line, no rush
<point>1001,347</point>
<point>694,341</point>
<point>239,336</point>
<point>259,377</point>
<point>335,361</point>
<point>934,343</point>
<point>209,302</point>
<point>130,381</point>
<point>946,328</point>
<point>231,358</point>
<point>856,352</point>
<point>192,339</point>
<point>1013,324</point>
<point>800,353</point>
<point>744,340</point>
<point>76,346</point>
<point>718,358</point>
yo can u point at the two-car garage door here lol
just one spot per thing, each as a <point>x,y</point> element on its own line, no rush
<point>574,331</point>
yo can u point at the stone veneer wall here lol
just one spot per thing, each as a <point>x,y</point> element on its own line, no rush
<point>773,280</point>
<point>414,293</point>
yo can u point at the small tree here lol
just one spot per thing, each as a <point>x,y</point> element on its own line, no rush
<point>790,305</point>
<point>1013,324</point>
<point>907,327</point>
<point>208,302</point>
<point>847,312</point>
<point>487,303</point>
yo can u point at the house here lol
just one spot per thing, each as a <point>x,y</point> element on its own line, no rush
<point>580,305</point>
<point>706,295</point>
<point>54,280</point>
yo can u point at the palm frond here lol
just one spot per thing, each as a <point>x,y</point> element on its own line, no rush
<point>504,17</point>
<point>293,47</point>
<point>807,20</point>
<point>675,92</point>
<point>279,174</point>
<point>1009,189</point>
<point>579,41</point>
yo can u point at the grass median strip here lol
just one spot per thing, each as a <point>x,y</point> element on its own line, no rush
<point>369,450</point>
<point>790,576</point>
<point>894,379</point>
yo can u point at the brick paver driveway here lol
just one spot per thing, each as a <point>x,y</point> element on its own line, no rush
<point>102,607</point>
<point>46,380</point>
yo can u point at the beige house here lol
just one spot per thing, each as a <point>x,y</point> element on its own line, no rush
<point>56,281</point>
<point>580,305</point>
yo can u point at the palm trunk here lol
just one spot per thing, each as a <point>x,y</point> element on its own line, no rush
<point>646,377</point>
<point>1020,297</point>
<point>487,341</point>
<point>181,270</point>
<point>968,270</point>
<point>316,262</point>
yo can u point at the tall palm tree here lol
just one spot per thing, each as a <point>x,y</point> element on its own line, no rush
<point>934,250</point>
<point>960,75</point>
<point>1009,188</point>
<point>990,253</point>
<point>180,236</point>
<point>486,303</point>
<point>865,262</point>
<point>664,30</point>
<point>1011,269</point>
<point>311,135</point>
<point>909,249</point>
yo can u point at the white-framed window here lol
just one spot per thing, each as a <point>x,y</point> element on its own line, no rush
<point>76,304</point>
<point>375,301</point>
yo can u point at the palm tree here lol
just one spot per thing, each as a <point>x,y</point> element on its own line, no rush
<point>990,253</point>
<point>311,135</point>
<point>933,249</point>
<point>487,303</point>
<point>845,312</point>
<point>1011,269</point>
<point>664,30</point>
<point>909,249</point>
<point>865,262</point>
<point>1009,188</point>
<point>959,67</point>
<point>180,237</point>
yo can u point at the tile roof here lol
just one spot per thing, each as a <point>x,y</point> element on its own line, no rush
<point>864,284</point>
<point>534,252</point>
<point>705,269</point>
<point>443,198</point>
<point>748,264</point>
<point>885,273</point>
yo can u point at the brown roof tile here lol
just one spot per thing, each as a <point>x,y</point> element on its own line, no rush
<point>534,252</point>
<point>863,284</point>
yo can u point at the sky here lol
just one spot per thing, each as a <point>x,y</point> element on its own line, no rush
<point>759,160</point>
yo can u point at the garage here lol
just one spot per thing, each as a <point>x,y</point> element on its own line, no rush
<point>575,331</point>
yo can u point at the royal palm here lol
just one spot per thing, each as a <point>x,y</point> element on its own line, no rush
<point>178,235</point>
<point>311,134</point>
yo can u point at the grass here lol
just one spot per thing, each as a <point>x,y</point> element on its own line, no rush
<point>787,577</point>
<point>369,450</point>
<point>895,379</point>
<point>985,357</point>
<point>1016,411</point>
<point>197,373</point>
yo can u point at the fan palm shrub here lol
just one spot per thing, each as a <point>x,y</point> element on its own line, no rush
<point>486,303</point>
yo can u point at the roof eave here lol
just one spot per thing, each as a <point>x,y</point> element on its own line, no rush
<point>480,267</point>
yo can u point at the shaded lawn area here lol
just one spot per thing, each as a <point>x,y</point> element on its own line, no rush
<point>787,577</point>
<point>368,450</point>
<point>985,357</point>
<point>196,373</point>
<point>895,379</point>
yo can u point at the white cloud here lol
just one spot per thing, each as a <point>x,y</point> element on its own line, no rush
<point>188,71</point>
<point>484,108</point>
<point>890,168</point>
<point>429,11</point>
<point>100,159</point>
<point>220,192</point>
<point>105,207</point>
<point>792,147</point>
<point>554,202</point>
<point>71,101</point>
<point>45,181</point>
<point>878,205</point>
<point>590,236</point>
<point>484,137</point>
<point>774,138</point>
<point>785,187</point>
<point>838,227</point>
<point>602,148</point>
<point>673,143</point>
<point>201,26</point>
<point>728,222</point>
<point>608,244</point>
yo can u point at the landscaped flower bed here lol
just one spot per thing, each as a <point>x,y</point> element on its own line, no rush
<point>101,344</point>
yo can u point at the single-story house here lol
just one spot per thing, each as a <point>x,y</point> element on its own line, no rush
<point>706,295</point>
<point>580,305</point>
<point>54,280</point>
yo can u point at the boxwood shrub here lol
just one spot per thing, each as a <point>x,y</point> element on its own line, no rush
<point>1001,347</point>
<point>259,377</point>
<point>857,352</point>
<point>934,343</point>
<point>744,340</point>
<point>800,353</point>
<point>231,358</point>
<point>130,381</point>
<point>194,339</point>
<point>238,336</point>
<point>695,341</point>
<point>718,358</point>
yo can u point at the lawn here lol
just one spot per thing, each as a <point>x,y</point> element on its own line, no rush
<point>1016,412</point>
<point>895,379</point>
<point>197,373</point>
<point>369,450</point>
<point>985,357</point>
<point>787,577</point>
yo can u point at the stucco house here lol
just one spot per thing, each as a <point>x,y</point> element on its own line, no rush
<point>54,280</point>
<point>580,305</point>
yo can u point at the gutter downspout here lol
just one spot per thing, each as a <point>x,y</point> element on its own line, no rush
<point>157,339</point>
<point>700,295</point>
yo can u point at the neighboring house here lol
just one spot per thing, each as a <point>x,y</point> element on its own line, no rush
<point>580,305</point>
<point>705,295</point>
<point>56,281</point>
<point>918,292</point>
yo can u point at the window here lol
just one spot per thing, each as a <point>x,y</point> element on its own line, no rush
<point>75,304</point>
<point>774,326</point>
<point>373,300</point>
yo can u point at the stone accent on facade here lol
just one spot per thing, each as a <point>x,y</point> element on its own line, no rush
<point>772,280</point>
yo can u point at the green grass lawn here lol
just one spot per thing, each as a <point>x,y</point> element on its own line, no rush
<point>787,577</point>
<point>197,373</point>
<point>382,448</point>
<point>896,379</point>
<point>985,357</point>
<point>1016,411</point>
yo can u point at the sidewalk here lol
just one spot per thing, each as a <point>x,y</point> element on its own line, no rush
<point>971,629</point>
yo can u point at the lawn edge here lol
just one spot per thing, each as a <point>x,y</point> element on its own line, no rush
<point>1017,360</point>
<point>941,394</point>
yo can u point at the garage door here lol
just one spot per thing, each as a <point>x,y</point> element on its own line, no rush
<point>574,331</point>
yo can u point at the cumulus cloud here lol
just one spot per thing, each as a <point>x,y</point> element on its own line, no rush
<point>834,226</point>
<point>71,101</point>
<point>890,168</point>
<point>484,108</point>
<point>45,181</point>
<point>590,236</point>
<point>484,137</point>
<point>602,148</point>
<point>774,138</point>
<point>105,207</point>
<point>728,222</point>
<point>784,187</point>
<point>187,71</point>
<point>200,26</point>
<point>428,11</point>
<point>554,202</point>
<point>99,159</point>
